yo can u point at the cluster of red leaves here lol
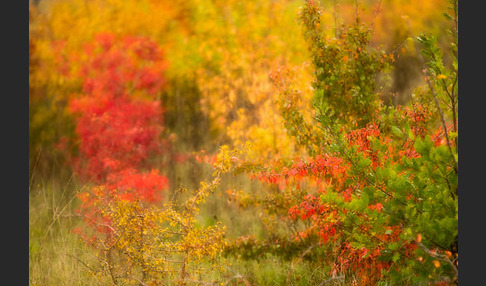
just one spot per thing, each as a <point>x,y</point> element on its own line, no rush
<point>362,139</point>
<point>118,123</point>
<point>362,261</point>
<point>117,67</point>
<point>116,133</point>
<point>322,168</point>
<point>366,263</point>
<point>439,137</point>
<point>419,116</point>
<point>90,209</point>
<point>131,185</point>
<point>118,120</point>
<point>325,220</point>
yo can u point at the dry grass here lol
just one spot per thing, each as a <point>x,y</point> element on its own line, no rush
<point>55,251</point>
<point>57,256</point>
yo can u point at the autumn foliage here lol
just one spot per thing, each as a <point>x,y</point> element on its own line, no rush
<point>375,174</point>
<point>119,121</point>
<point>339,181</point>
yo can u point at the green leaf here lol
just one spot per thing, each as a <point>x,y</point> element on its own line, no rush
<point>397,131</point>
<point>364,162</point>
<point>396,257</point>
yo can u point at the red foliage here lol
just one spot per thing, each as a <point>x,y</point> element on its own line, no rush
<point>129,184</point>
<point>334,172</point>
<point>115,134</point>
<point>118,120</point>
<point>362,139</point>
<point>364,262</point>
<point>323,168</point>
<point>91,213</point>
<point>419,116</point>
<point>118,123</point>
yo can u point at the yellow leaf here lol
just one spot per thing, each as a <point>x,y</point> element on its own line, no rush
<point>441,76</point>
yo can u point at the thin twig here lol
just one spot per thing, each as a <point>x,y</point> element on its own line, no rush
<point>36,163</point>
<point>301,257</point>
<point>82,262</point>
<point>439,257</point>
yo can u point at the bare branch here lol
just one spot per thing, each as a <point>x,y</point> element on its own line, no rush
<point>439,257</point>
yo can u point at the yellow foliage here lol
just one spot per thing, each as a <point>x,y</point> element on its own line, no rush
<point>246,41</point>
<point>62,28</point>
<point>228,47</point>
<point>162,244</point>
<point>392,21</point>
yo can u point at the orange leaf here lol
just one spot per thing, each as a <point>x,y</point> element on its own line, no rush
<point>419,238</point>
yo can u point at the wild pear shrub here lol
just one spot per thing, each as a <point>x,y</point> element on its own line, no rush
<point>156,244</point>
